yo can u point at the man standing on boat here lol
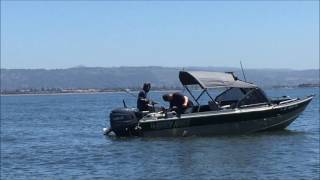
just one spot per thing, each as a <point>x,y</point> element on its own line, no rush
<point>143,103</point>
<point>179,103</point>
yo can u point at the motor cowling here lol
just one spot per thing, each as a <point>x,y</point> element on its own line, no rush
<point>124,121</point>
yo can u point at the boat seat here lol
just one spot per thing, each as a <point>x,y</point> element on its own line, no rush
<point>214,106</point>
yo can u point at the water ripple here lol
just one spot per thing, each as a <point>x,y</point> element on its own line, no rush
<point>59,137</point>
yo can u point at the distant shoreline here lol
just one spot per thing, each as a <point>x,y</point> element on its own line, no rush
<point>76,92</point>
<point>57,94</point>
<point>93,80</point>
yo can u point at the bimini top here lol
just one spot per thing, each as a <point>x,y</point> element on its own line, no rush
<point>212,80</point>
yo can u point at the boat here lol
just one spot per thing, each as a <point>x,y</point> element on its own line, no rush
<point>241,108</point>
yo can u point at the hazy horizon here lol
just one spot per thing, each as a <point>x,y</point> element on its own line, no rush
<point>137,66</point>
<point>159,66</point>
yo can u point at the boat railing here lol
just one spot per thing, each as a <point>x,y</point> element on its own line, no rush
<point>254,105</point>
<point>287,101</point>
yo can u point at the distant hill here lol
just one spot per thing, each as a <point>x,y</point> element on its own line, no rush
<point>129,77</point>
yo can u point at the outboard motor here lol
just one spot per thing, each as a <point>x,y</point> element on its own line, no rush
<point>124,121</point>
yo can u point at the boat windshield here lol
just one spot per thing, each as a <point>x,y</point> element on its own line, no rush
<point>255,96</point>
<point>231,95</point>
<point>237,97</point>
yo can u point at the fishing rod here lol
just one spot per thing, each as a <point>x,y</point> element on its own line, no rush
<point>136,96</point>
<point>129,92</point>
<point>244,76</point>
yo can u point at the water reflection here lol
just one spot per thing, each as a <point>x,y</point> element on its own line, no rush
<point>228,156</point>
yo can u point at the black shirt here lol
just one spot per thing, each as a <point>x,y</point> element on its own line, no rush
<point>178,101</point>
<point>142,104</point>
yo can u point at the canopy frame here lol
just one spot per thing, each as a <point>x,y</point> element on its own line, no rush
<point>196,99</point>
<point>193,78</point>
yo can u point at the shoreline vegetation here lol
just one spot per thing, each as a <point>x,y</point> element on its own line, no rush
<point>57,91</point>
<point>84,80</point>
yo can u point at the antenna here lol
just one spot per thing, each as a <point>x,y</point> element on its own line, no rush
<point>244,76</point>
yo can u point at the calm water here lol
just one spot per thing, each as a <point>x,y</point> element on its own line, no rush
<point>60,137</point>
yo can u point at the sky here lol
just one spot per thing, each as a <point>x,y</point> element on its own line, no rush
<point>64,34</point>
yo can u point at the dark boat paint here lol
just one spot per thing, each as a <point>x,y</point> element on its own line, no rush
<point>249,110</point>
<point>239,121</point>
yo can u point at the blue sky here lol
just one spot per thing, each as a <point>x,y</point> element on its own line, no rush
<point>62,34</point>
